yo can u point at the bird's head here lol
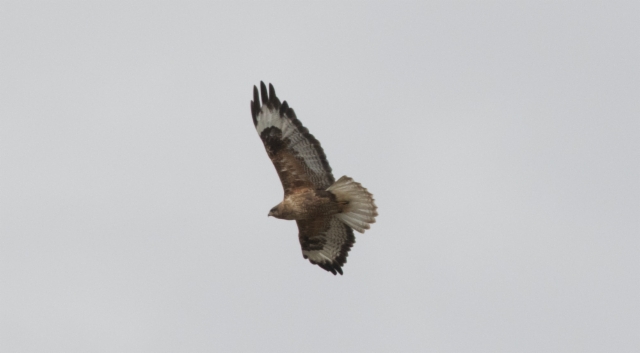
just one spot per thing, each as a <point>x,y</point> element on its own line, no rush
<point>274,212</point>
<point>279,211</point>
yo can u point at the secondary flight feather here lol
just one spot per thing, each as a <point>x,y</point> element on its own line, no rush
<point>326,211</point>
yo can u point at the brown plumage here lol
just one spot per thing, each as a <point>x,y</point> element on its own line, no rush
<point>325,210</point>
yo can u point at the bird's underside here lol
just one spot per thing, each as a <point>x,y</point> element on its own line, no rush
<point>307,203</point>
<point>326,211</point>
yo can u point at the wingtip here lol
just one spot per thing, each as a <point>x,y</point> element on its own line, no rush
<point>331,267</point>
<point>284,108</point>
<point>272,92</point>
<point>264,94</point>
<point>255,105</point>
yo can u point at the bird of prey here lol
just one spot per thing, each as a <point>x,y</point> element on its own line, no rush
<point>326,211</point>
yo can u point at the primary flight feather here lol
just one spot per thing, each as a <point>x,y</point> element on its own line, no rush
<point>326,211</point>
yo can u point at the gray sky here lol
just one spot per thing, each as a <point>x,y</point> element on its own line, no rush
<point>500,139</point>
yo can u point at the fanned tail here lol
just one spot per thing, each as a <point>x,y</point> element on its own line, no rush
<point>359,209</point>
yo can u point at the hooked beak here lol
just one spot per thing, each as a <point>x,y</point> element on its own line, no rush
<point>270,214</point>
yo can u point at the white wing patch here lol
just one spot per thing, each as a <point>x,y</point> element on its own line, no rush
<point>296,139</point>
<point>271,118</point>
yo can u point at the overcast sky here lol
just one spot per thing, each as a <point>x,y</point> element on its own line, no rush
<point>501,141</point>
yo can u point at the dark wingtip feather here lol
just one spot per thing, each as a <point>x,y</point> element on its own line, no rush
<point>254,115</point>
<point>331,267</point>
<point>264,94</point>
<point>256,97</point>
<point>284,108</point>
<point>272,92</point>
<point>255,106</point>
<point>272,100</point>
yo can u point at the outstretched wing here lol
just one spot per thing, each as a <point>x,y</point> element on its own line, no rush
<point>325,241</point>
<point>296,154</point>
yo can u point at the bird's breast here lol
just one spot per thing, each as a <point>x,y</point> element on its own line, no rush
<point>308,204</point>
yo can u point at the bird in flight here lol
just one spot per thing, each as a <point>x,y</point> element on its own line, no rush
<point>326,211</point>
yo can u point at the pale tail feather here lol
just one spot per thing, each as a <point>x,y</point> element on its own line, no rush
<point>360,209</point>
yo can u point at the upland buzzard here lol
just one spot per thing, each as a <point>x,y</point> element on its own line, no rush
<point>326,211</point>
